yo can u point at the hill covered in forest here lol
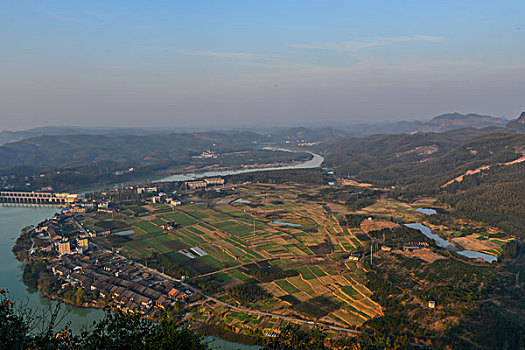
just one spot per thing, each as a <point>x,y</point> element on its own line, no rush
<point>483,177</point>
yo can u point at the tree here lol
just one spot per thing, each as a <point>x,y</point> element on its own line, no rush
<point>23,328</point>
<point>293,338</point>
<point>169,336</point>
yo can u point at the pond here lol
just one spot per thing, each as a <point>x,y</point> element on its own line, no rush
<point>125,233</point>
<point>443,243</point>
<point>440,242</point>
<point>240,200</point>
<point>427,211</point>
<point>285,224</point>
<point>477,255</point>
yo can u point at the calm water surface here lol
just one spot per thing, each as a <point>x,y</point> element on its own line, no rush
<point>443,243</point>
<point>427,211</point>
<point>12,220</point>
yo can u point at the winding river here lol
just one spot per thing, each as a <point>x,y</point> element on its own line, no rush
<point>315,162</point>
<point>14,218</point>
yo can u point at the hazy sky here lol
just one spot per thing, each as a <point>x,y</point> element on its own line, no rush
<point>184,63</point>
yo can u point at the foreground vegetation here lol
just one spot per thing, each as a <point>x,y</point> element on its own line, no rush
<point>23,328</point>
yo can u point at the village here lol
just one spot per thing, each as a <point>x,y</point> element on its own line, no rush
<point>248,256</point>
<point>105,278</point>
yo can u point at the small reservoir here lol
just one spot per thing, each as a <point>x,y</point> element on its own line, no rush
<point>443,243</point>
<point>125,233</point>
<point>427,211</point>
<point>285,224</point>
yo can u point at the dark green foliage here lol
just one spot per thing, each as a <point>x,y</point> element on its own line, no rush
<point>208,284</point>
<point>388,332</point>
<point>263,272</point>
<point>354,198</point>
<point>290,299</point>
<point>310,176</point>
<point>511,249</point>
<point>32,271</point>
<point>248,292</point>
<point>170,266</point>
<point>14,330</point>
<point>168,337</point>
<point>352,220</point>
<point>501,205</point>
<point>317,307</point>
<point>489,327</point>
<point>399,235</point>
<point>293,338</point>
<point>383,288</point>
<point>116,331</point>
<point>177,268</point>
<point>111,224</point>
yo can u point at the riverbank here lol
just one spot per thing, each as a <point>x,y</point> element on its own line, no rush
<point>12,220</point>
<point>188,173</point>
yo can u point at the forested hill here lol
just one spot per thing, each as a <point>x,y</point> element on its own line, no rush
<point>482,178</point>
<point>67,150</point>
<point>429,160</point>
<point>353,156</point>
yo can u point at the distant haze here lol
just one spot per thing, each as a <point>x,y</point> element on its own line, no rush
<point>242,63</point>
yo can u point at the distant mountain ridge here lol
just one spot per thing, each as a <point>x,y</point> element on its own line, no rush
<point>452,120</point>
<point>440,123</point>
<point>7,136</point>
<point>518,124</point>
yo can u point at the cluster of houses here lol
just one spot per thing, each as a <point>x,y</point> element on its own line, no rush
<point>206,154</point>
<point>415,246</point>
<point>124,284</point>
<point>51,231</point>
<point>214,181</point>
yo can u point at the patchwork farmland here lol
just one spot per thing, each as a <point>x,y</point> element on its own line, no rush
<point>228,241</point>
<point>266,248</point>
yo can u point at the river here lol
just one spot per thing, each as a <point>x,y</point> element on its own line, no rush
<point>14,218</point>
<point>315,162</point>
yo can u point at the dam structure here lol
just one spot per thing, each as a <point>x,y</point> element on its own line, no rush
<point>37,197</point>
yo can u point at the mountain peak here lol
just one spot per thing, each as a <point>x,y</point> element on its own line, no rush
<point>521,118</point>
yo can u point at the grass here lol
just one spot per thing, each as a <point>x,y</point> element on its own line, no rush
<point>350,291</point>
<point>307,274</point>
<point>212,261</point>
<point>287,286</point>
<point>317,271</point>
<point>179,218</point>
<point>178,257</point>
<point>239,275</point>
<point>148,227</point>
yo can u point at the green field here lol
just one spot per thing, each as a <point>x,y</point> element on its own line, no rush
<point>148,227</point>
<point>307,273</point>
<point>179,218</point>
<point>287,286</point>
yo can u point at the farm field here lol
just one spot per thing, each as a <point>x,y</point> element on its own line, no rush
<point>290,251</point>
<point>278,232</point>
